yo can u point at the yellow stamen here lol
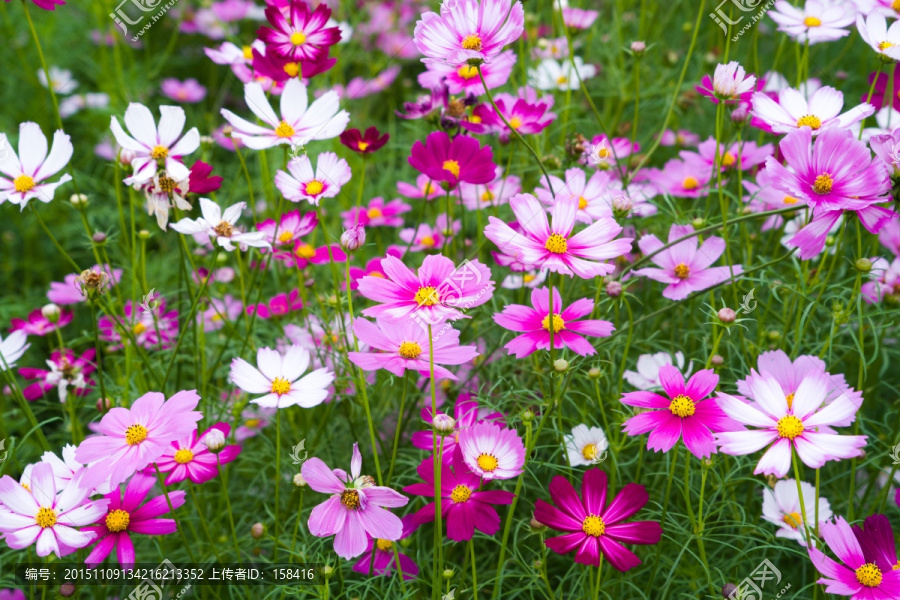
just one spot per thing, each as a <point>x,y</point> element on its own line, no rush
<point>427,296</point>
<point>248,52</point>
<point>472,42</point>
<point>410,350</point>
<point>117,520</point>
<point>305,251</point>
<point>790,200</point>
<point>284,130</point>
<point>384,545</point>
<point>467,72</point>
<point>557,244</point>
<point>789,427</point>
<point>812,22</point>
<point>487,196</point>
<point>184,456</point>
<point>593,526</point>
<point>515,122</point>
<point>582,203</point>
<point>558,323</point>
<point>280,386</point>
<point>427,241</point>
<point>823,184</point>
<point>589,452</point>
<point>460,494</point>
<point>682,271</point>
<point>362,146</point>
<point>885,45</point>
<point>728,160</point>
<point>350,499</point>
<point>790,400</point>
<point>682,406</point>
<point>23,183</point>
<point>297,38</point>
<point>138,328</point>
<point>45,517</point>
<point>285,237</point>
<point>690,183</point>
<point>487,462</point>
<point>159,152</point>
<point>792,520</point>
<point>292,69</point>
<point>452,166</point>
<point>224,229</point>
<point>135,434</point>
<point>869,575</point>
<point>314,187</point>
<point>811,121</point>
<point>374,213</point>
<point>562,80</point>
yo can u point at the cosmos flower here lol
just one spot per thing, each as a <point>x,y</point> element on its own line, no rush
<point>686,414</point>
<point>469,30</point>
<point>299,122</point>
<point>277,306</point>
<point>66,373</point>
<point>793,111</point>
<point>132,438</point>
<point>38,515</point>
<point>553,247</point>
<point>684,266</point>
<point>377,214</point>
<point>220,226</point>
<point>157,328</point>
<point>228,308</point>
<point>403,344</point>
<point>585,445</point>
<point>816,21</point>
<point>154,147</point>
<point>552,75</point>
<point>578,18</point>
<point>299,33</point>
<point>593,527</point>
<point>39,325</point>
<point>739,155</point>
<point>874,31</point>
<point>125,516</point>
<point>189,91</point>
<point>23,176</point>
<point>300,182</point>
<point>465,506</point>
<point>364,143</point>
<point>304,255</point>
<point>424,237</point>
<point>355,508</point>
<point>69,291</point>
<point>876,538</point>
<point>424,188</point>
<point>536,324</point>
<point>453,160</point>
<point>47,4</point>
<point>496,193</point>
<point>593,200</point>
<point>492,451</point>
<point>189,458</point>
<point>781,506</point>
<point>524,117</point>
<point>278,379</point>
<point>789,422</point>
<point>464,79</point>
<point>290,227</point>
<point>729,84</point>
<point>685,177</point>
<point>648,365</point>
<point>379,558</point>
<point>466,413</point>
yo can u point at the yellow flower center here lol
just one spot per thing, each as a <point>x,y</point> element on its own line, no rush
<point>603,152</point>
<point>159,152</point>
<point>896,5</point>
<point>23,183</point>
<point>292,69</point>
<point>811,121</point>
<point>812,22</point>
<point>297,38</point>
<point>248,52</point>
<point>790,400</point>
<point>384,545</point>
<point>467,72</point>
<point>314,187</point>
<point>138,328</point>
<point>589,452</point>
<point>515,122</point>
<point>45,517</point>
<point>117,520</point>
<point>305,251</point>
<point>135,434</point>
<point>556,244</point>
<point>682,271</point>
<point>789,427</point>
<point>474,119</point>
<point>823,184</point>
<point>167,184</point>
<point>350,499</point>
<point>26,486</point>
<point>558,324</point>
<point>487,462</point>
<point>285,237</point>
<point>184,456</point>
<point>582,203</point>
<point>224,229</point>
<point>452,166</point>
<point>472,42</point>
<point>284,130</point>
<point>593,526</point>
<point>682,406</point>
<point>427,241</point>
<point>428,189</point>
<point>460,494</point>
<point>790,200</point>
<point>869,575</point>
<point>426,296</point>
<point>728,160</point>
<point>252,423</point>
<point>885,45</point>
<point>362,146</point>
<point>690,183</point>
<point>792,520</point>
<point>487,196</point>
<point>528,277</point>
<point>374,213</point>
<point>562,80</point>
<point>410,350</point>
<point>280,386</point>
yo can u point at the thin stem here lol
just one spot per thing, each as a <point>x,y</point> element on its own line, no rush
<point>224,489</point>
<point>800,493</point>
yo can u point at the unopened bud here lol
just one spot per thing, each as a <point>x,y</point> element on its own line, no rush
<point>99,237</point>
<point>447,574</point>
<point>622,203</point>
<point>774,335</point>
<point>51,312</point>
<point>214,441</point>
<point>143,234</point>
<point>353,239</point>
<point>227,131</point>
<point>67,590</point>
<point>104,404</point>
<point>78,200</point>
<point>717,360</point>
<point>771,480</point>
<point>527,416</point>
<point>594,373</point>
<point>206,139</point>
<point>126,156</point>
<point>727,315</point>
<point>698,222</point>
<point>326,572</point>
<point>740,115</point>
<point>638,47</point>
<point>863,265</point>
<point>443,423</point>
<point>536,525</point>
<point>560,365</point>
<point>728,589</point>
<point>299,481</point>
<point>613,289</point>
<point>257,531</point>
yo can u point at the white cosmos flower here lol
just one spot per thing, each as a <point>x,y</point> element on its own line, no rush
<point>299,122</point>
<point>554,75</point>
<point>731,81</point>
<point>152,145</point>
<point>874,31</point>
<point>12,348</point>
<point>61,80</point>
<point>302,183</point>
<point>280,380</point>
<point>162,193</point>
<point>220,226</point>
<point>793,111</point>
<point>781,506</point>
<point>586,445</point>
<point>22,175</point>
<point>647,375</point>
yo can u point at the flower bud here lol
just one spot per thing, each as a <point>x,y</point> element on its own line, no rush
<point>727,315</point>
<point>51,312</point>
<point>594,373</point>
<point>67,590</point>
<point>638,47</point>
<point>740,115</point>
<point>299,481</point>
<point>613,289</point>
<point>622,204</point>
<point>214,441</point>
<point>207,139</point>
<point>326,572</point>
<point>353,239</point>
<point>143,234</point>
<point>104,404</point>
<point>774,335</point>
<point>443,423</point>
<point>257,531</point>
<point>126,156</point>
<point>536,525</point>
<point>99,237</point>
<point>448,574</point>
<point>863,265</point>
<point>227,131</point>
<point>560,365</point>
<point>717,360</point>
<point>728,589</point>
<point>698,222</point>
<point>527,416</point>
<point>78,200</point>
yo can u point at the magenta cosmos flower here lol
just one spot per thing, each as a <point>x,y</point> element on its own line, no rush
<point>687,413</point>
<point>876,538</point>
<point>684,266</point>
<point>41,515</point>
<point>594,527</point>
<point>299,33</point>
<point>377,214</point>
<point>189,458</point>
<point>492,451</point>
<point>356,506</point>
<point>435,293</point>
<point>523,116</point>
<point>403,345</point>
<point>465,507</point>
<point>452,161</point>
<point>47,4</point>
<point>469,30</point>
<point>38,324</point>
<point>289,228</point>
<point>364,143</point>
<point>464,79</point>
<point>861,576</point>
<point>379,557</point>
<point>536,324</point>
<point>788,422</point>
<point>131,439</point>
<point>553,247</point>
<point>466,413</point>
<point>66,373</point>
<point>125,516</point>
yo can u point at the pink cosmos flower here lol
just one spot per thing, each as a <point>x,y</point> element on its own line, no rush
<point>687,177</point>
<point>578,18</point>
<point>189,90</point>
<point>765,197</point>
<point>47,5</point>
<point>153,146</point>
<point>861,576</point>
<point>424,237</point>
<point>300,182</point>
<point>536,324</point>
<point>404,344</point>
<point>684,266</point>
<point>304,255</point>
<point>38,324</point>
<point>524,117</point>
<point>379,559</point>
<point>23,176</point>
<point>356,508</point>
<point>836,174</point>
<point>66,373</point>
<point>886,284</point>
<point>687,413</point>
<point>42,516</point>
<point>790,422</point>
<point>68,291</point>
<point>594,527</point>
<point>729,84</point>
<point>452,161</point>
<point>278,306</point>
<point>553,246</point>
<point>593,201</point>
<point>465,506</point>
<point>228,308</point>
<point>126,516</point>
<point>492,451</point>
<point>469,30</point>
<point>424,188</point>
<point>299,33</point>
<point>189,458</point>
<point>739,155</point>
<point>496,193</point>
<point>280,379</point>
<point>466,413</point>
<point>377,214</point>
<point>817,21</point>
<point>433,294</point>
<point>290,226</point>
<point>157,328</point>
<point>464,79</point>
<point>132,438</point>
<point>792,111</point>
<point>682,137</point>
